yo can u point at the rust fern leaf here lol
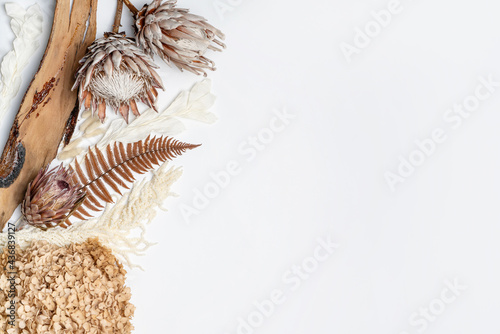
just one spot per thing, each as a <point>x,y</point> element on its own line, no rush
<point>103,173</point>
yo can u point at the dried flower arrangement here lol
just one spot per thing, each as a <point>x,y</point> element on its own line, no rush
<point>72,235</point>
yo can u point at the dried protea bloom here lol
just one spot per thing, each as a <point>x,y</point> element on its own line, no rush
<point>177,36</point>
<point>117,73</point>
<point>52,197</point>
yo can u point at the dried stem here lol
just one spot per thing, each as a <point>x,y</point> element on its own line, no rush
<point>118,16</point>
<point>131,7</point>
<point>20,223</point>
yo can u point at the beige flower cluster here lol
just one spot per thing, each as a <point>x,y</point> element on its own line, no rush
<point>79,288</point>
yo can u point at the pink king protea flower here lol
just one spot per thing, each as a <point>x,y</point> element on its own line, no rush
<point>52,197</point>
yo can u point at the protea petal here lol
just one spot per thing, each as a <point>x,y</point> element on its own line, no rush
<point>52,197</point>
<point>177,36</point>
<point>115,72</point>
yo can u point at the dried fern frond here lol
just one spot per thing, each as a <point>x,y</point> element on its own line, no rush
<point>114,169</point>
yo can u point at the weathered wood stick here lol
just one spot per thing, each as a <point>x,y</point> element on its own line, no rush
<point>48,104</point>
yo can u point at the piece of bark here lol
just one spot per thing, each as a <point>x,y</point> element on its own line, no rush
<point>48,104</point>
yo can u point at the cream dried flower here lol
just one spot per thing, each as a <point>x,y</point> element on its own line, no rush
<point>177,36</point>
<point>77,288</point>
<point>117,73</point>
<point>52,197</point>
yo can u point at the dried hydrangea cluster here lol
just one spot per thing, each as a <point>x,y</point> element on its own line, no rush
<point>177,36</point>
<point>52,197</point>
<point>117,73</point>
<point>79,288</point>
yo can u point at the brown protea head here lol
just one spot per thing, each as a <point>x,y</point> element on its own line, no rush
<point>115,72</point>
<point>177,36</point>
<point>52,197</point>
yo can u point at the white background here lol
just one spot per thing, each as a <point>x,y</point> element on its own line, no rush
<point>324,174</point>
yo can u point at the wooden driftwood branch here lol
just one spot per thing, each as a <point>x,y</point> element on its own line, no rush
<point>48,106</point>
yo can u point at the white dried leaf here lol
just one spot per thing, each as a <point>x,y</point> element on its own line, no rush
<point>193,104</point>
<point>27,27</point>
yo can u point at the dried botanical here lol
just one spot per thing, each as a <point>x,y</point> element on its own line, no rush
<point>117,226</point>
<point>79,288</point>
<point>26,25</point>
<point>52,197</point>
<point>45,108</point>
<point>117,73</point>
<point>117,168</point>
<point>177,36</point>
<point>193,104</point>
